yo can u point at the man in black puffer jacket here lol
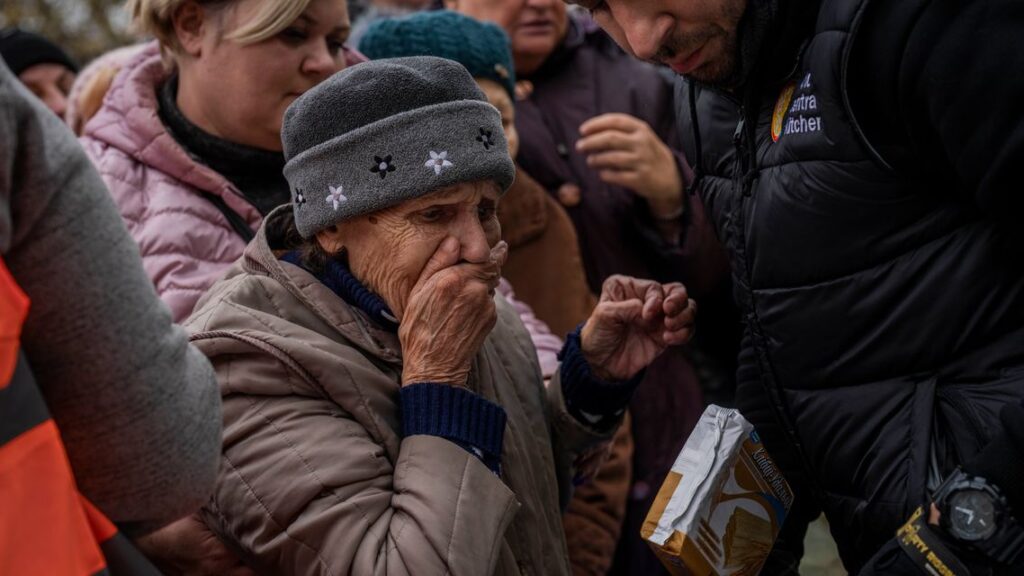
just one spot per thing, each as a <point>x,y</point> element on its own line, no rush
<point>857,158</point>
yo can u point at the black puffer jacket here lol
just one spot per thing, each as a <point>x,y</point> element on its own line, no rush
<point>861,184</point>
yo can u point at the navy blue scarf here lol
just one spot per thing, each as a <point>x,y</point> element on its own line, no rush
<point>342,282</point>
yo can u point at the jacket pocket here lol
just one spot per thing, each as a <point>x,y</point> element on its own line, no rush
<point>959,422</point>
<point>860,527</point>
<point>968,412</point>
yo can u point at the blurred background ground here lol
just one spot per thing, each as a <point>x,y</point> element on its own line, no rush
<point>85,28</point>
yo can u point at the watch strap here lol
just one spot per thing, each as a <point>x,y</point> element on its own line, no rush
<point>1006,545</point>
<point>926,549</point>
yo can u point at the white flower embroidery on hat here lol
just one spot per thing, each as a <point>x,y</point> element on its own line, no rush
<point>438,162</point>
<point>336,197</point>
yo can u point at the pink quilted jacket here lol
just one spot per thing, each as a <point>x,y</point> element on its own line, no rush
<point>185,241</point>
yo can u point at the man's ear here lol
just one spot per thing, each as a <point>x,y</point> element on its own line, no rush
<point>190,21</point>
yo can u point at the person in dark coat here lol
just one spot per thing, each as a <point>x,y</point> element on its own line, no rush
<point>860,160</point>
<point>597,131</point>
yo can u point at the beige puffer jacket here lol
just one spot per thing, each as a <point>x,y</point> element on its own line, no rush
<point>316,477</point>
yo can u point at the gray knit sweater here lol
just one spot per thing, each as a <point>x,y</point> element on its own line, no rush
<point>137,406</point>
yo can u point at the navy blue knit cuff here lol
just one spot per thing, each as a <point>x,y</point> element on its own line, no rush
<point>595,402</point>
<point>458,415</point>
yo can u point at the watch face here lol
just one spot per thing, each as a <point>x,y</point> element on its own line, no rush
<point>972,515</point>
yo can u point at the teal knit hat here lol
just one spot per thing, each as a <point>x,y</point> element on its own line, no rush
<point>483,48</point>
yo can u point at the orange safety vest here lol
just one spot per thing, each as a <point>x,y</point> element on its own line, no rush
<point>46,526</point>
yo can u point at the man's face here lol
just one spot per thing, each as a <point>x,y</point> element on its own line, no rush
<point>696,38</point>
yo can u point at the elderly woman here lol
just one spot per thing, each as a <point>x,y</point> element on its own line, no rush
<point>544,263</point>
<point>384,409</point>
<point>188,138</point>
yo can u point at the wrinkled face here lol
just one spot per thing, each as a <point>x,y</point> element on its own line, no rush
<point>388,250</point>
<point>241,91</point>
<point>696,38</point>
<point>51,83</point>
<point>536,27</point>
<point>500,99</point>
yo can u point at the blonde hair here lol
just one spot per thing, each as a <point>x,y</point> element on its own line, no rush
<point>270,17</point>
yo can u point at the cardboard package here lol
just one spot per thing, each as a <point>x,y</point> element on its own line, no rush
<point>722,505</point>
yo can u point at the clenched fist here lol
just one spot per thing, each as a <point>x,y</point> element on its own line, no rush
<point>634,322</point>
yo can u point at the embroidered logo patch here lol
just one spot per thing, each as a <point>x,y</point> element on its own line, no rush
<point>781,107</point>
<point>797,110</point>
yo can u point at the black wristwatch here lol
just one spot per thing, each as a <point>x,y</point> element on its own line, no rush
<point>977,515</point>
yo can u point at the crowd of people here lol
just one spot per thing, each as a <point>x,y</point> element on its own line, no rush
<point>410,287</point>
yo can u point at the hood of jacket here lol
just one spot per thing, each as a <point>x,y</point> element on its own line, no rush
<point>129,121</point>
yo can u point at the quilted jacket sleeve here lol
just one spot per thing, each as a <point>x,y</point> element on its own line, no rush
<point>305,489</point>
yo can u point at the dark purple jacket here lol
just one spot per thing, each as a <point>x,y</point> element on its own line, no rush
<point>586,77</point>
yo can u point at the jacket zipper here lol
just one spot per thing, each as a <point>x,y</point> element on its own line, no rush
<point>741,153</point>
<point>743,144</point>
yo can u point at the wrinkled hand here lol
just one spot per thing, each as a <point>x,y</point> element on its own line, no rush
<point>449,315</point>
<point>626,152</point>
<point>634,322</point>
<point>188,548</point>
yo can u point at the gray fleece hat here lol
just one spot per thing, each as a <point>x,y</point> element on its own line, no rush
<point>386,131</point>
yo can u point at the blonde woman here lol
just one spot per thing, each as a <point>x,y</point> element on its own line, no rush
<point>188,135</point>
